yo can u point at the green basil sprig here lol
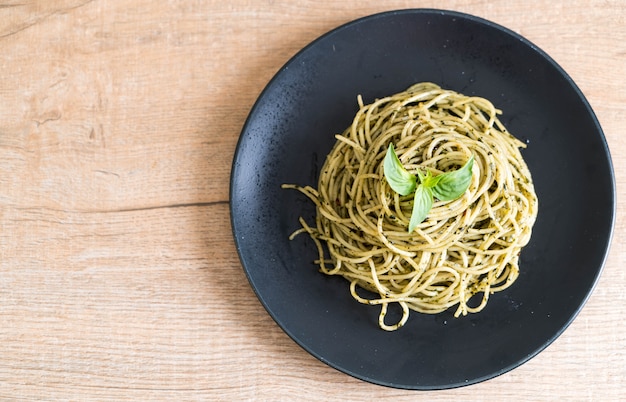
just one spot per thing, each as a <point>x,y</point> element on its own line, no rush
<point>445,187</point>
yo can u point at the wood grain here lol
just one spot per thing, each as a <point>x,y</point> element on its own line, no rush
<point>119,279</point>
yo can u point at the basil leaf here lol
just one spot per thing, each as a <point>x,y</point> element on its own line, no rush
<point>399,179</point>
<point>428,180</point>
<point>452,185</point>
<point>446,187</point>
<point>422,203</point>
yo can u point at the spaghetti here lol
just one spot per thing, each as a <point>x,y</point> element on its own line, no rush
<point>465,247</point>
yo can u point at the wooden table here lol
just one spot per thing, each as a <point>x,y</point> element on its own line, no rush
<point>119,278</point>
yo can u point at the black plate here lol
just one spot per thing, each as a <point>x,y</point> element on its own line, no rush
<point>290,130</point>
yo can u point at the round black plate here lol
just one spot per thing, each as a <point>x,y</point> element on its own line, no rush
<point>291,129</point>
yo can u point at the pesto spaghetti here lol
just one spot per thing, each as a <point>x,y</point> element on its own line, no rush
<point>464,247</point>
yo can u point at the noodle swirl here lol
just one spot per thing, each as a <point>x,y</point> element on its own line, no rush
<point>465,247</point>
